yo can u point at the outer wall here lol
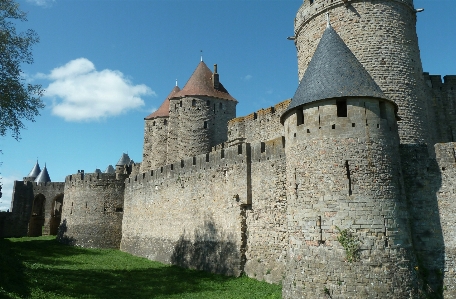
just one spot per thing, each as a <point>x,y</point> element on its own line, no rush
<point>391,55</point>
<point>366,198</point>
<point>155,147</point>
<point>92,211</point>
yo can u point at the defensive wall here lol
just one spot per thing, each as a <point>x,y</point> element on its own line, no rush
<point>93,210</point>
<point>223,212</point>
<point>32,211</point>
<point>258,126</point>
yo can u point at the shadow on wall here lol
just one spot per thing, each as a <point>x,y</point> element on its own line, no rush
<point>61,234</point>
<point>211,250</point>
<point>423,180</point>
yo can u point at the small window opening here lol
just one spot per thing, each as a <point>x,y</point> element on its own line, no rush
<point>353,125</point>
<point>182,163</point>
<point>119,210</point>
<point>382,110</point>
<point>347,167</point>
<point>299,117</point>
<point>311,1</point>
<point>165,122</point>
<point>283,141</point>
<point>172,166</point>
<point>220,106</point>
<point>161,169</point>
<point>193,103</point>
<point>180,104</point>
<point>207,157</point>
<point>341,108</point>
<point>194,160</point>
<point>308,131</point>
<point>208,103</point>
<point>153,124</point>
<point>263,147</point>
<point>205,124</point>
<point>222,154</point>
<point>333,126</point>
<point>239,149</point>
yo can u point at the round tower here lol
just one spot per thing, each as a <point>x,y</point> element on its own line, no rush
<point>156,135</point>
<point>347,216</point>
<point>199,115</point>
<point>382,36</point>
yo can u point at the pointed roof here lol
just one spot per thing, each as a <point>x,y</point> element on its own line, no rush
<point>35,171</point>
<point>97,170</point>
<point>334,72</point>
<point>110,169</point>
<point>163,111</point>
<point>43,177</point>
<point>124,160</point>
<point>200,84</point>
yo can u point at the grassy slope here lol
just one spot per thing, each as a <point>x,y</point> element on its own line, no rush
<point>42,268</point>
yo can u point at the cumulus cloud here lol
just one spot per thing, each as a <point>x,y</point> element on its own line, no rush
<point>81,93</point>
<point>41,2</point>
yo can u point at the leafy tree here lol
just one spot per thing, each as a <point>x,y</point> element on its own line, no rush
<point>18,100</point>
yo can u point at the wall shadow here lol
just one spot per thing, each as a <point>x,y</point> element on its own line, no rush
<point>423,180</point>
<point>211,250</point>
<point>61,234</point>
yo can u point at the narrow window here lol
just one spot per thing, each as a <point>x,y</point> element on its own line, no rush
<point>347,167</point>
<point>341,108</point>
<point>153,124</point>
<point>222,154</point>
<point>193,103</point>
<point>214,108</point>
<point>165,122</point>
<point>180,103</point>
<point>208,103</point>
<point>220,106</point>
<point>182,163</point>
<point>118,210</point>
<point>299,117</point>
<point>172,166</point>
<point>194,160</point>
<point>161,169</point>
<point>239,149</point>
<point>382,110</point>
<point>311,1</point>
<point>263,147</point>
<point>205,124</point>
<point>207,157</point>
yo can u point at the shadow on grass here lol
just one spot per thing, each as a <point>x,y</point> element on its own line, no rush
<point>45,265</point>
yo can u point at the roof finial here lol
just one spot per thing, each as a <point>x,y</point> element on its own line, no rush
<point>201,55</point>
<point>176,82</point>
<point>328,23</point>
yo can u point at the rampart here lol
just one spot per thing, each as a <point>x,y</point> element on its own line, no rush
<point>216,212</point>
<point>258,126</point>
<point>93,211</point>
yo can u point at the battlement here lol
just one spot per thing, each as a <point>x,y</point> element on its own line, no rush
<point>82,178</point>
<point>262,113</point>
<point>221,157</point>
<point>436,83</point>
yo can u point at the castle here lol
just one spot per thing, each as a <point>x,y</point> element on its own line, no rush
<point>345,191</point>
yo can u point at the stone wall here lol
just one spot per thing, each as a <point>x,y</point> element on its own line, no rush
<point>196,124</point>
<point>344,175</point>
<point>191,213</point>
<point>391,55</point>
<point>93,210</point>
<point>258,126</point>
<point>155,148</point>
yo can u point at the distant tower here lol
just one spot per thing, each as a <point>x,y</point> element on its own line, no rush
<point>43,177</point>
<point>199,115</point>
<point>344,174</point>
<point>156,135</point>
<point>123,165</point>
<point>382,36</point>
<point>33,173</point>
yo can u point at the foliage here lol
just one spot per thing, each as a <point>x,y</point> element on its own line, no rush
<point>43,268</point>
<point>18,100</point>
<point>350,243</point>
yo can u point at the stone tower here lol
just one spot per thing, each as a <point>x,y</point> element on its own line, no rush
<point>391,55</point>
<point>344,174</point>
<point>155,147</point>
<point>198,115</point>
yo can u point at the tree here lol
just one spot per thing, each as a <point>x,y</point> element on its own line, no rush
<point>18,99</point>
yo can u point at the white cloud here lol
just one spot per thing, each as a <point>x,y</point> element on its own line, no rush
<point>7,190</point>
<point>247,78</point>
<point>41,2</point>
<point>81,93</point>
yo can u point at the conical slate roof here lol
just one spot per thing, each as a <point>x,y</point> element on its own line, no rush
<point>110,169</point>
<point>35,171</point>
<point>334,72</point>
<point>124,160</point>
<point>43,177</point>
<point>97,170</point>
<point>200,84</point>
<point>163,111</point>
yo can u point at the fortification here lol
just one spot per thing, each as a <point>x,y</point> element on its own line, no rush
<point>391,55</point>
<point>93,210</point>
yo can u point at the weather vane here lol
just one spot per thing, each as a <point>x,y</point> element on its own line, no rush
<point>201,55</point>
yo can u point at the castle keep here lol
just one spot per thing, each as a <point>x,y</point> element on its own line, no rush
<point>345,191</point>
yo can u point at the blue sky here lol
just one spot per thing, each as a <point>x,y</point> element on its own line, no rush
<point>106,64</point>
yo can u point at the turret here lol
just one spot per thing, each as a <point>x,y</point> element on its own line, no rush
<point>156,134</point>
<point>33,173</point>
<point>122,166</point>
<point>391,55</point>
<point>43,177</point>
<point>199,114</point>
<point>347,216</point>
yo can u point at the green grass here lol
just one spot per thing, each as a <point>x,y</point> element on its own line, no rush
<point>43,268</point>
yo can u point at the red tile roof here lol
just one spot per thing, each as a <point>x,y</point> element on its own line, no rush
<point>200,84</point>
<point>163,111</point>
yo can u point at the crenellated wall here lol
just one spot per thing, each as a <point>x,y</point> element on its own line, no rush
<point>258,126</point>
<point>93,210</point>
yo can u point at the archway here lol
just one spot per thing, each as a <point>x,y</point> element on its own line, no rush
<point>37,217</point>
<point>56,213</point>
